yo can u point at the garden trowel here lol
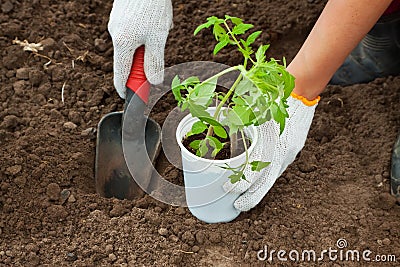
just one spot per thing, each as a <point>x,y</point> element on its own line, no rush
<point>127,132</point>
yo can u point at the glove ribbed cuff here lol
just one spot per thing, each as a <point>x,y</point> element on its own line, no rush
<point>305,101</point>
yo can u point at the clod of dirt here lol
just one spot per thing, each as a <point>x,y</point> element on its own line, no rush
<point>20,87</point>
<point>22,74</point>
<point>307,162</point>
<point>10,122</point>
<point>74,116</point>
<point>180,211</point>
<point>188,238</point>
<point>69,125</point>
<point>58,74</point>
<point>53,191</point>
<point>7,7</point>
<point>48,44</point>
<point>13,170</point>
<point>57,212</point>
<point>15,57</point>
<point>89,132</point>
<point>118,211</point>
<point>200,237</point>
<point>214,237</point>
<point>100,45</point>
<point>20,181</point>
<point>36,77</point>
<point>386,201</point>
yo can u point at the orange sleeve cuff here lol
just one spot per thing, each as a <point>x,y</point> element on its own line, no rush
<point>305,100</point>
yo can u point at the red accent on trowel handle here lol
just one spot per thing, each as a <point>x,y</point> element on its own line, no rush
<point>137,80</point>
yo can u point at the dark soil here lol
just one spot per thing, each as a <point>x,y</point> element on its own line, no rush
<point>50,214</point>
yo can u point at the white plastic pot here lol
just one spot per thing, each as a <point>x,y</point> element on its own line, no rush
<point>204,178</point>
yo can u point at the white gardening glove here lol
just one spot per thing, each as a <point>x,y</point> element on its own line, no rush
<point>280,150</point>
<point>134,23</point>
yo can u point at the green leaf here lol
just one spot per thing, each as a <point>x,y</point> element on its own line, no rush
<point>243,87</point>
<point>214,142</point>
<point>278,116</point>
<point>220,131</point>
<point>176,89</point>
<point>203,149</point>
<point>220,45</point>
<point>210,120</point>
<point>198,127</point>
<point>245,114</point>
<point>210,21</point>
<point>252,37</point>
<point>234,20</point>
<point>257,166</point>
<point>260,54</point>
<point>204,92</point>
<point>185,105</point>
<point>202,26</point>
<point>218,31</point>
<point>235,177</point>
<point>191,81</point>
<point>197,110</point>
<point>241,28</point>
<point>195,144</point>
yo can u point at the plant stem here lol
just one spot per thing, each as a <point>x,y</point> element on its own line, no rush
<point>245,148</point>
<point>223,101</point>
<point>237,43</point>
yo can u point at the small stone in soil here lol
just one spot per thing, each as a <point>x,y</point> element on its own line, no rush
<point>71,199</point>
<point>163,231</point>
<point>64,195</point>
<point>71,256</point>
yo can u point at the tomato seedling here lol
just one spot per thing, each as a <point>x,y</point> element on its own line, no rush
<point>258,94</point>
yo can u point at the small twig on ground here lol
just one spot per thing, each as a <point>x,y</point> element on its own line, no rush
<point>62,92</point>
<point>69,49</point>
<point>83,57</point>
<point>186,252</point>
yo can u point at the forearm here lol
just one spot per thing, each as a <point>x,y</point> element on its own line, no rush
<point>341,26</point>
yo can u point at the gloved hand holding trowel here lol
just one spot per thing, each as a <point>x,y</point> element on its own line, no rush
<point>139,30</point>
<point>147,22</point>
<point>139,23</point>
